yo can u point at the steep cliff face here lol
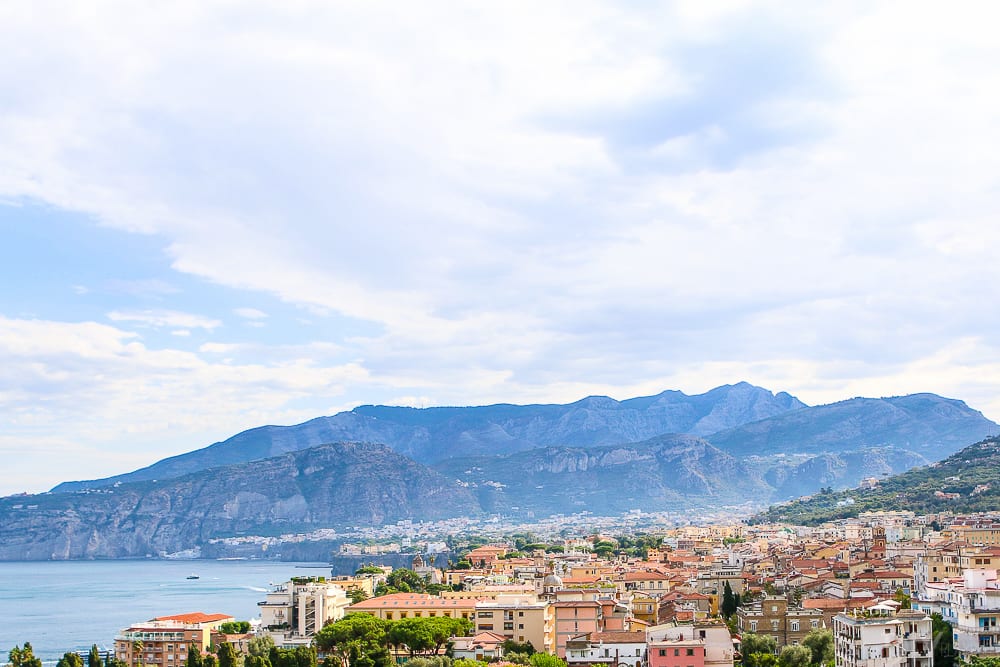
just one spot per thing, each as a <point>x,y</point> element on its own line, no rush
<point>434,434</point>
<point>839,471</point>
<point>326,486</point>
<point>667,472</point>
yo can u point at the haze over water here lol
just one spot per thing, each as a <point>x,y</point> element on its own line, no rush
<point>68,606</point>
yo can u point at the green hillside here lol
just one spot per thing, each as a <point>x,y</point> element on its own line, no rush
<point>961,473</point>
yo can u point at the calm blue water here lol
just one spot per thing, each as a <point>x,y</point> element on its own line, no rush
<point>68,606</point>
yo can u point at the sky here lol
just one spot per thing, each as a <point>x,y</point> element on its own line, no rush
<point>219,215</point>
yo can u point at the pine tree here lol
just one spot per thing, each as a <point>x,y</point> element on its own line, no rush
<point>728,607</point>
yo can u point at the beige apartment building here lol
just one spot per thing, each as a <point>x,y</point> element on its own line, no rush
<point>166,640</point>
<point>523,618</point>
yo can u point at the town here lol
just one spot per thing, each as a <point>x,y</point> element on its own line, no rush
<point>886,589</point>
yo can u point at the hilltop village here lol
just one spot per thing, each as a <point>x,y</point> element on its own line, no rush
<point>887,589</point>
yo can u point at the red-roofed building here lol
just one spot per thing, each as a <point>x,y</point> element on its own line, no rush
<point>166,640</point>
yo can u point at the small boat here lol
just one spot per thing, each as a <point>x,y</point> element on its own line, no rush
<point>193,576</point>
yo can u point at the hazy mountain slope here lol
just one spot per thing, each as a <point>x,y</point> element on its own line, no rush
<point>433,434</point>
<point>664,473</point>
<point>925,424</point>
<point>838,471</point>
<point>974,466</point>
<point>326,486</point>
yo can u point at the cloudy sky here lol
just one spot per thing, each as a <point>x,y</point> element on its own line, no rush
<point>217,215</point>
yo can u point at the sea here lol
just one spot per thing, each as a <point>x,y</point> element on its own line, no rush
<point>62,606</point>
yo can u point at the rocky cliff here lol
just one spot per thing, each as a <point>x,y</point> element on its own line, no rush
<point>327,486</point>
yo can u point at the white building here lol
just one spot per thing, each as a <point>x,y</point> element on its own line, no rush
<point>975,604</point>
<point>294,611</point>
<point>615,649</point>
<point>879,636</point>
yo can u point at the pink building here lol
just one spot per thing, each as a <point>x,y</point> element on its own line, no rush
<point>686,651</point>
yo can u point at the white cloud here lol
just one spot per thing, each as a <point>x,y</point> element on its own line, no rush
<point>601,198</point>
<point>164,318</point>
<point>250,313</point>
<point>115,395</point>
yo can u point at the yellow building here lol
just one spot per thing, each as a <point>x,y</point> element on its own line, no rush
<point>415,605</point>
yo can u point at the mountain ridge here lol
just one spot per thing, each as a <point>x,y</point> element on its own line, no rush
<point>428,435</point>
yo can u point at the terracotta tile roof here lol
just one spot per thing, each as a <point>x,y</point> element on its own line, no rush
<point>195,617</point>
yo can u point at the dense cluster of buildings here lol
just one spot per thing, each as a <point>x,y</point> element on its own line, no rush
<point>874,582</point>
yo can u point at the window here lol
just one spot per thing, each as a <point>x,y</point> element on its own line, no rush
<point>486,614</point>
<point>663,652</point>
<point>689,651</point>
<point>520,613</point>
<point>753,626</point>
<point>520,626</point>
<point>774,625</point>
<point>795,626</point>
<point>814,624</point>
<point>677,651</point>
<point>509,625</point>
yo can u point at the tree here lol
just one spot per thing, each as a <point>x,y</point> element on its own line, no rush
<point>425,636</point>
<point>511,646</point>
<point>209,660</point>
<point>94,657</point>
<point>546,660</point>
<point>728,606</point>
<point>228,657</point>
<point>904,600</point>
<point>256,661</point>
<point>368,569</point>
<point>235,627</point>
<point>70,659</point>
<point>795,656</point>
<point>194,658</point>
<point>754,646</point>
<point>260,646</point>
<point>820,644</point>
<point>24,657</point>
<point>357,640</point>
<point>944,641</point>
<point>357,595</point>
<point>983,661</point>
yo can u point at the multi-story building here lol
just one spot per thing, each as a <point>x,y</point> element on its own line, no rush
<point>166,640</point>
<point>574,618</point>
<point>975,604</point>
<point>610,649</point>
<point>523,618</point>
<point>982,532</point>
<point>415,605</point>
<point>714,638</point>
<point>679,652</point>
<point>772,616</point>
<point>882,637</point>
<point>295,611</point>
